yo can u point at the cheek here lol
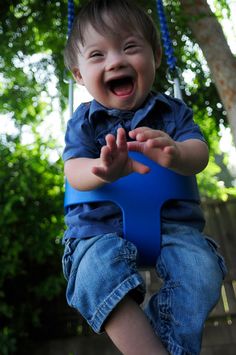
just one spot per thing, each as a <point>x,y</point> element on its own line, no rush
<point>90,78</point>
<point>147,72</point>
<point>146,67</point>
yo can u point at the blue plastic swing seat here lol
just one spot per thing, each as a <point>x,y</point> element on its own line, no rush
<point>141,198</point>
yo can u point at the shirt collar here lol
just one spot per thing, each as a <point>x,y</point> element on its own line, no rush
<point>96,108</point>
<point>153,99</point>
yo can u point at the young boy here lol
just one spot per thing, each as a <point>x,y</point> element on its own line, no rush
<point>114,50</point>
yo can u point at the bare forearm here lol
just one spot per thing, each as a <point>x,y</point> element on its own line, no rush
<point>78,171</point>
<point>89,174</point>
<point>192,157</point>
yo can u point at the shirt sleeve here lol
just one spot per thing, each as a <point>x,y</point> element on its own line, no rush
<point>186,128</point>
<point>79,137</point>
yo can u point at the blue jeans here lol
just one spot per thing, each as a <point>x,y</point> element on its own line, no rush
<point>102,270</point>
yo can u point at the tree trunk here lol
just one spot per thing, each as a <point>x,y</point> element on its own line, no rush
<point>222,63</point>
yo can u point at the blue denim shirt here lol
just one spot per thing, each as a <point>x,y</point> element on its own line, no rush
<point>85,136</point>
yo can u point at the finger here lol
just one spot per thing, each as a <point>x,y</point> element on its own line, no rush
<point>137,130</point>
<point>111,142</point>
<point>135,146</point>
<point>149,134</point>
<point>139,167</point>
<point>99,172</point>
<point>121,139</point>
<point>160,142</point>
<point>170,150</point>
<point>105,156</point>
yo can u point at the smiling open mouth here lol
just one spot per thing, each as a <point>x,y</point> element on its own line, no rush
<point>121,87</point>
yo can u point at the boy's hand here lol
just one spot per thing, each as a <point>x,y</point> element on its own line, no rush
<point>155,144</point>
<point>114,159</point>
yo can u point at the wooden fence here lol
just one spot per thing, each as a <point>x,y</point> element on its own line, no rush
<point>220,331</point>
<point>221,225</point>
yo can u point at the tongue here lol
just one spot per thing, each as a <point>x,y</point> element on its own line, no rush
<point>122,87</point>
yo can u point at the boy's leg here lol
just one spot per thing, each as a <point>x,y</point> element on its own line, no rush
<point>192,272</point>
<point>106,288</point>
<point>130,330</point>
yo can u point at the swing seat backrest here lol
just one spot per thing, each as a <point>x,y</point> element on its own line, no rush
<point>141,198</point>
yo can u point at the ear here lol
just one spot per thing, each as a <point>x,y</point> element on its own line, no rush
<point>158,57</point>
<point>77,75</point>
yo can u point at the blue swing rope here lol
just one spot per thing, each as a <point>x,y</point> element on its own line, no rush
<point>167,44</point>
<point>71,15</point>
<point>70,18</point>
<point>168,49</point>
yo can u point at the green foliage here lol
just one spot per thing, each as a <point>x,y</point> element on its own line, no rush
<point>32,36</point>
<point>7,341</point>
<point>31,224</point>
<point>222,8</point>
<point>200,93</point>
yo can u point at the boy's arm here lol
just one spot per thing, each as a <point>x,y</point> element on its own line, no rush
<point>78,172</point>
<point>88,174</point>
<point>192,157</point>
<point>187,158</point>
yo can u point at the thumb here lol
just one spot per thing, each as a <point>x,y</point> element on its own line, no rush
<point>139,167</point>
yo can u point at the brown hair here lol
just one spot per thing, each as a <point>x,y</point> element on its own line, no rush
<point>125,15</point>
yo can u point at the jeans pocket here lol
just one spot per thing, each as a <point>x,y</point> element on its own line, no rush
<point>215,249</point>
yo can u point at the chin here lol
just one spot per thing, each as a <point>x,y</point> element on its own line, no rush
<point>126,106</point>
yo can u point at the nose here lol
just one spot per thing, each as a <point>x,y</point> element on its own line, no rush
<point>115,61</point>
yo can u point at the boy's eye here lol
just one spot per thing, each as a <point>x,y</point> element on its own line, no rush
<point>95,54</point>
<point>131,47</point>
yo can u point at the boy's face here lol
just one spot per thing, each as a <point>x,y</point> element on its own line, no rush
<point>118,71</point>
